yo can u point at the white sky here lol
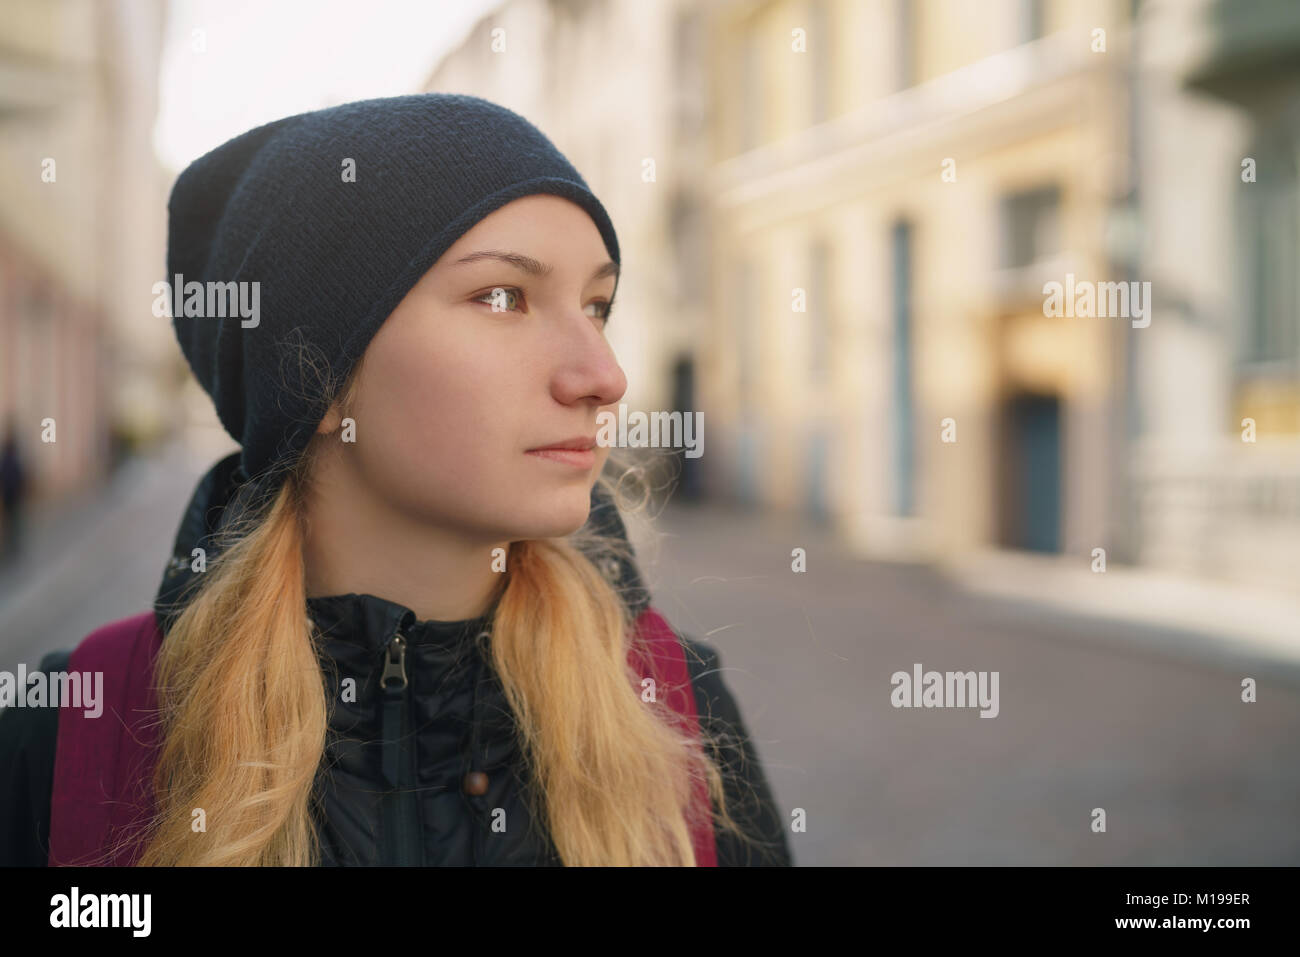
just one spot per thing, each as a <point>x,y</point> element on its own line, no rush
<point>264,60</point>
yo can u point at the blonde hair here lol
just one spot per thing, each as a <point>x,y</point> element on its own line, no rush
<point>244,713</point>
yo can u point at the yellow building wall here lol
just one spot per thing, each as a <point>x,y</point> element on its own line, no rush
<point>969,346</point>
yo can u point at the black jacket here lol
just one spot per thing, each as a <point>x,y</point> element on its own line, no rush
<point>450,721</point>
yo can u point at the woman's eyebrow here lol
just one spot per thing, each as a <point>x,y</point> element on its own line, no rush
<point>530,265</point>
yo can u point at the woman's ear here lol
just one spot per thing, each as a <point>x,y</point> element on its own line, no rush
<point>343,403</point>
<point>333,419</point>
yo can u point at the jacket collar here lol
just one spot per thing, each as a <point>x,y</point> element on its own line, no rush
<point>368,621</point>
<point>216,501</point>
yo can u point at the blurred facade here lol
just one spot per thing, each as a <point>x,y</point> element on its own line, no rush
<point>855,208</point>
<point>838,219</point>
<point>1220,117</point>
<point>891,194</point>
<point>82,231</point>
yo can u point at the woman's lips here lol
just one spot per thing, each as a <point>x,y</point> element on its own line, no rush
<point>576,458</point>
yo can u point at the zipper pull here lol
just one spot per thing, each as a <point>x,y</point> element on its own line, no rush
<point>395,664</point>
<point>393,683</point>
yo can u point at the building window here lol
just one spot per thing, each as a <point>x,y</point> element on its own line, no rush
<point>747,317</point>
<point>689,89</point>
<point>690,250</point>
<point>904,477</point>
<point>1031,227</point>
<point>751,79</point>
<point>1031,20</point>
<point>1271,223</point>
<point>817,475</point>
<point>820,47</point>
<point>819,313</point>
<point>905,43</point>
<point>744,300</point>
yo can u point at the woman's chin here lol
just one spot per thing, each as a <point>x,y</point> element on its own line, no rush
<point>556,519</point>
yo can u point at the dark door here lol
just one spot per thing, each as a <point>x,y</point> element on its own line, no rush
<point>1031,498</point>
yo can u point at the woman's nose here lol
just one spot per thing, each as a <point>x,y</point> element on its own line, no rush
<point>588,368</point>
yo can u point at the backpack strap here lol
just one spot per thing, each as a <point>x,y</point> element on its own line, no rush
<point>103,766</point>
<point>658,653</point>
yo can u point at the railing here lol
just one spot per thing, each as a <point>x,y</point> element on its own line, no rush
<point>1228,510</point>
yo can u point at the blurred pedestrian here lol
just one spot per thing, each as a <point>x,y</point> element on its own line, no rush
<point>13,492</point>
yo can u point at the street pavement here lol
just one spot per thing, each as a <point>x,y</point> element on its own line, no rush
<point>1123,717</point>
<point>97,557</point>
<point>1091,714</point>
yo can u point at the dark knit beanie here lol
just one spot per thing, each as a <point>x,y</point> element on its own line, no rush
<point>335,214</point>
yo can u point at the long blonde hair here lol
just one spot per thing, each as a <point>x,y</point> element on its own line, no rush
<point>244,714</point>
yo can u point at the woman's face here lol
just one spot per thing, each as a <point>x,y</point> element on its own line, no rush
<point>452,395</point>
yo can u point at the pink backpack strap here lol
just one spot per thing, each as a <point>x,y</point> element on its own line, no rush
<point>103,766</point>
<point>659,654</point>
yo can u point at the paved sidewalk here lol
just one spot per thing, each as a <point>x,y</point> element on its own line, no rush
<point>1217,621</point>
<point>100,557</point>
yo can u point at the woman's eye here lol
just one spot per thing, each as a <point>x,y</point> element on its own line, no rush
<point>502,298</point>
<point>510,298</point>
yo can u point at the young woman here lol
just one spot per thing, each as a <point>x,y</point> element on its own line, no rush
<point>403,624</point>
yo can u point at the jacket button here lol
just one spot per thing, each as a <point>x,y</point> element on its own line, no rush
<point>476,783</point>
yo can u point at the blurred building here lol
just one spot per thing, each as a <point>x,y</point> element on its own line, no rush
<point>893,184</point>
<point>1220,122</point>
<point>82,232</point>
<point>840,257</point>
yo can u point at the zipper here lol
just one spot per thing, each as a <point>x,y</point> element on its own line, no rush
<point>403,842</point>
